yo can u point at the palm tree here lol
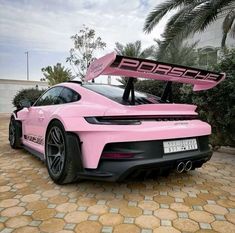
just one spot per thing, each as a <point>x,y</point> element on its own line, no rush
<point>190,17</point>
<point>178,52</point>
<point>133,50</point>
<point>56,74</point>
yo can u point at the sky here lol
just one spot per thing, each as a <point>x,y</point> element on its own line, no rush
<point>44,28</point>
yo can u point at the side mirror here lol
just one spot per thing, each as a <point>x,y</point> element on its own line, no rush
<point>25,103</point>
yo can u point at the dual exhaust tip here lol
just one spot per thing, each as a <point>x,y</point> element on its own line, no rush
<point>184,166</point>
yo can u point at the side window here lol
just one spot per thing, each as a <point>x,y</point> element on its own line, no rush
<point>50,97</point>
<point>67,96</point>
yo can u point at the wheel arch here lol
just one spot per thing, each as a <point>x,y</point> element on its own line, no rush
<point>74,146</point>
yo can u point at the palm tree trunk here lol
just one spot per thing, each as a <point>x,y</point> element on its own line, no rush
<point>223,42</point>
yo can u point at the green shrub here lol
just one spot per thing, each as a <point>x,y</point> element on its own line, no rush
<point>30,94</point>
<point>216,106</point>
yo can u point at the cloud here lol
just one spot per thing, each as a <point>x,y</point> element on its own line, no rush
<point>47,25</point>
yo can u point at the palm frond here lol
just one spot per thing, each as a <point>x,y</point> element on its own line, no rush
<point>161,10</point>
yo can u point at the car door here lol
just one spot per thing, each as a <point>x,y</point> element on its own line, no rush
<point>38,116</point>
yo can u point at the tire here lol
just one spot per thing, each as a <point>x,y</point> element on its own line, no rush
<point>14,133</point>
<point>62,152</point>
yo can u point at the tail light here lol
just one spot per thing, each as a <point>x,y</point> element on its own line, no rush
<point>112,121</point>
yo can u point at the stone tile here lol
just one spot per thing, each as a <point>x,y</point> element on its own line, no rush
<point>69,226</point>
<point>148,212</point>
<point>117,203</point>
<point>52,225</point>
<point>28,213</point>
<point>165,214</point>
<point>232,210</point>
<point>219,217</point>
<point>88,226</point>
<point>165,229</point>
<point>146,231</point>
<point>60,215</point>
<point>183,214</point>
<point>8,203</point>
<point>18,221</point>
<point>197,207</point>
<point>185,225</point>
<point>180,200</point>
<point>3,219</point>
<point>76,217</point>
<point>50,193</point>
<point>82,208</point>
<point>35,223</point>
<point>43,214</point>
<point>27,229</point>
<point>51,206</point>
<point>164,206</point>
<point>230,217</point>
<point>223,226</point>
<point>180,207</point>
<point>129,220</point>
<point>12,211</point>
<point>164,199</point>
<point>97,209</point>
<point>107,229</point>
<point>93,217</point>
<point>134,197</point>
<point>126,228</point>
<point>146,221</point>
<point>148,205</point>
<point>205,226</point>
<point>101,202</point>
<point>58,199</point>
<point>166,223</point>
<point>201,216</point>
<point>7,230</point>
<point>211,202</point>
<point>37,205</point>
<point>130,211</point>
<point>191,201</point>
<point>163,193</point>
<point>111,219</point>
<point>215,209</point>
<point>66,207</point>
<point>148,198</point>
<point>30,198</point>
<point>132,203</point>
<point>226,203</point>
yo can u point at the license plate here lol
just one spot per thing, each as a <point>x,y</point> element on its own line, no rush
<point>179,145</point>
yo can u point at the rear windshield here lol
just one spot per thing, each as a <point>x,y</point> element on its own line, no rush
<point>115,93</point>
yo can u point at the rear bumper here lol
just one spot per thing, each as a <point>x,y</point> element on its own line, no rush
<point>149,159</point>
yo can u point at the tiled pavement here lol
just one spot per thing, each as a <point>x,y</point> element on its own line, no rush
<point>199,201</point>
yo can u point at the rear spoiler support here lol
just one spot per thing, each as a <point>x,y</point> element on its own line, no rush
<point>167,94</point>
<point>129,88</point>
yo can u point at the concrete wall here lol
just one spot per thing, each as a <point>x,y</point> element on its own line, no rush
<point>8,89</point>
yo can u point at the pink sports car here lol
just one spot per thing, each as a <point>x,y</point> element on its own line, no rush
<point>103,132</point>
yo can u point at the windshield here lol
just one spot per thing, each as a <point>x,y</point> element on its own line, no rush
<point>115,93</point>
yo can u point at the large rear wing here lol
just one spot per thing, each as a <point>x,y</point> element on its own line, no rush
<point>113,64</point>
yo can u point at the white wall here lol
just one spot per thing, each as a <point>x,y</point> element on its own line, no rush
<point>8,89</point>
<point>212,36</point>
